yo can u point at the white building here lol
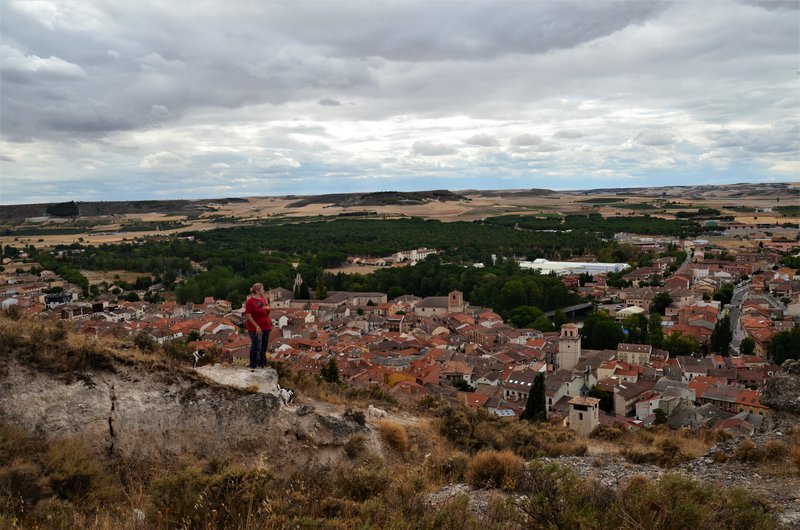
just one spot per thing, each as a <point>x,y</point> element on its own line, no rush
<point>563,268</point>
<point>417,254</point>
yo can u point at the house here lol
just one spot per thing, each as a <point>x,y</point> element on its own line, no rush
<point>634,353</point>
<point>721,396</point>
<point>455,371</point>
<point>563,385</point>
<point>618,369</point>
<point>749,401</point>
<point>641,297</point>
<point>627,394</point>
<point>646,404</point>
<point>517,384</point>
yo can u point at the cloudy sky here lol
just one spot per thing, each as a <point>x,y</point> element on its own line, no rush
<point>105,100</point>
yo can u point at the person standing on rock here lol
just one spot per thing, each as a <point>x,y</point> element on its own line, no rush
<point>258,323</point>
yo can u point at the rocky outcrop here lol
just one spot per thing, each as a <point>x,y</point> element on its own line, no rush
<point>136,410</point>
<point>782,390</point>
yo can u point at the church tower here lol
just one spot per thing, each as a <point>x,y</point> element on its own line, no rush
<point>455,302</point>
<point>569,347</point>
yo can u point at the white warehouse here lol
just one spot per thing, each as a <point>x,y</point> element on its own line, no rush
<point>563,268</point>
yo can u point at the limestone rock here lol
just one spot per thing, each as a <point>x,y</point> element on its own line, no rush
<point>137,410</point>
<point>782,390</point>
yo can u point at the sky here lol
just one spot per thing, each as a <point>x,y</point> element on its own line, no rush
<point>110,100</point>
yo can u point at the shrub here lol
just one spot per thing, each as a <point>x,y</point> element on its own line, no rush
<point>22,484</point>
<point>444,467</point>
<point>355,445</point>
<point>356,415</point>
<point>720,457</point>
<point>394,435</point>
<point>494,469</point>
<point>794,453</point>
<point>145,342</point>
<point>607,433</point>
<point>666,452</point>
<point>76,475</point>
<point>362,482</point>
<point>190,498</point>
<point>775,450</point>
<point>748,452</point>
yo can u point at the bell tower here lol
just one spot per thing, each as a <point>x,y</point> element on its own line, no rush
<point>569,347</point>
<point>455,302</point>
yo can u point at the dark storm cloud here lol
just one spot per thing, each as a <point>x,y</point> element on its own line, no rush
<point>329,102</point>
<point>783,137</point>
<point>435,31</point>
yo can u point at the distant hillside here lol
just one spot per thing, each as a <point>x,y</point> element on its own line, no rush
<point>20,212</point>
<point>703,192</point>
<point>382,198</point>
<point>533,192</point>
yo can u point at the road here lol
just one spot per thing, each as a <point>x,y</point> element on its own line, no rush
<point>739,296</point>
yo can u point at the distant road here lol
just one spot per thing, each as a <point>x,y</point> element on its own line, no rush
<point>739,296</point>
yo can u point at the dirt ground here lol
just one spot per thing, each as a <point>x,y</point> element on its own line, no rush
<point>96,277</point>
<point>354,269</point>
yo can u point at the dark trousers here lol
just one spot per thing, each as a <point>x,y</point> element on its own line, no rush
<point>258,348</point>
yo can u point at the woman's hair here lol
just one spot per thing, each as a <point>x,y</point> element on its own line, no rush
<point>256,287</point>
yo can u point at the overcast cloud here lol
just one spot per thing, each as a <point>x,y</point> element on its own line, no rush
<point>104,100</point>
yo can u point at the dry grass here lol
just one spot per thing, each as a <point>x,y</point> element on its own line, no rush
<point>394,435</point>
<point>495,469</point>
<point>658,445</point>
<point>314,387</point>
<point>476,429</point>
<point>774,455</point>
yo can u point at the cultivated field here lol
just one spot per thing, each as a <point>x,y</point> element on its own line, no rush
<point>734,200</point>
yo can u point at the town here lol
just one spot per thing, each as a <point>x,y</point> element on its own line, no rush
<point>666,367</point>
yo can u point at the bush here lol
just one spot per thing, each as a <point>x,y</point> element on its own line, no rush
<point>191,498</point>
<point>76,475</point>
<point>748,452</point>
<point>362,482</point>
<point>145,342</point>
<point>494,469</point>
<point>557,499</point>
<point>794,453</point>
<point>477,429</point>
<point>443,467</point>
<point>607,433</point>
<point>356,415</point>
<point>394,435</point>
<point>775,450</point>
<point>355,445</point>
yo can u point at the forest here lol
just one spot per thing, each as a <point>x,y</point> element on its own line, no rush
<point>224,262</point>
